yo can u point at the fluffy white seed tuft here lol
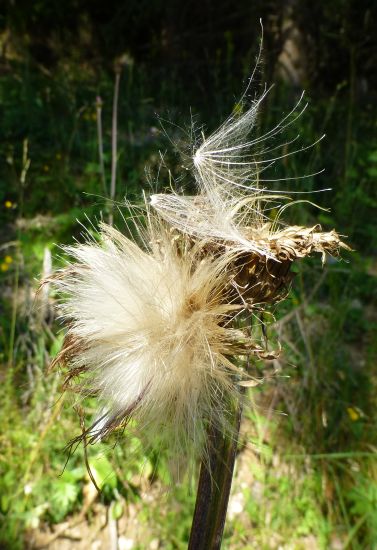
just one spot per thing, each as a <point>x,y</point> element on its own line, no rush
<point>151,334</point>
<point>153,330</point>
<point>230,170</point>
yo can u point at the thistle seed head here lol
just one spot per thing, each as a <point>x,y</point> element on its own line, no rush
<point>157,332</point>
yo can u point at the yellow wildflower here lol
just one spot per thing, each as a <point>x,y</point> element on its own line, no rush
<point>4,267</point>
<point>353,414</point>
<point>8,204</point>
<point>8,259</point>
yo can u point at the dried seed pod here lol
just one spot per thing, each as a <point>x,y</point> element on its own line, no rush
<point>154,330</point>
<point>151,334</point>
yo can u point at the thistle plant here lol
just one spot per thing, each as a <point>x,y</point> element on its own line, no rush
<point>160,328</point>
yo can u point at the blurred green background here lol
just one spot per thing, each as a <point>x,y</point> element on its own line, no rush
<point>306,475</point>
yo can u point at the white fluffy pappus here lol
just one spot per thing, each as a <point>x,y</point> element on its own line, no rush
<point>230,168</point>
<point>150,333</point>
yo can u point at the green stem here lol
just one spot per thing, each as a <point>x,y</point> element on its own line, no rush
<point>215,480</point>
<point>12,334</point>
<point>22,182</point>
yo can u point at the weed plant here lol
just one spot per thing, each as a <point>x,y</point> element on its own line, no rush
<point>306,474</point>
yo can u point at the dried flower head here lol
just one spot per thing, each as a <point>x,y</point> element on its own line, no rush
<point>233,202</point>
<point>232,205</point>
<point>151,334</point>
<point>156,331</point>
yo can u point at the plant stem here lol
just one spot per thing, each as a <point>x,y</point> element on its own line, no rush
<point>100,143</point>
<point>22,182</point>
<point>215,480</point>
<point>114,141</point>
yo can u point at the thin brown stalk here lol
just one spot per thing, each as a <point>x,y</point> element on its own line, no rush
<point>114,143</point>
<point>100,144</point>
<point>215,481</point>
